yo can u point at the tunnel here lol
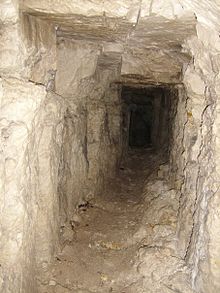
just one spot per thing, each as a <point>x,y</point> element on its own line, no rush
<point>109,120</point>
<point>146,117</point>
<point>140,126</point>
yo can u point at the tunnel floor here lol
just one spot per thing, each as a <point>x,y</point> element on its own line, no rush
<point>123,241</point>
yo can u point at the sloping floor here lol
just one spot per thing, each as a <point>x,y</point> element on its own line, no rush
<point>123,241</point>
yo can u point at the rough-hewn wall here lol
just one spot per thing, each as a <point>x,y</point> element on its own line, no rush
<point>91,146</point>
<point>31,124</point>
<point>17,115</point>
<point>178,118</point>
<point>47,140</point>
<point>194,160</point>
<point>201,178</point>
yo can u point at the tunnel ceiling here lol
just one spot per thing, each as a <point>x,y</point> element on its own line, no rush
<point>142,95</point>
<point>149,42</point>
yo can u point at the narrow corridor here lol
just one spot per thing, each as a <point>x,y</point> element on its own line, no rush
<point>104,250</point>
<point>110,146</point>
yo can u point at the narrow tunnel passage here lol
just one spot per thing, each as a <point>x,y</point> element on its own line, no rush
<point>99,253</point>
<point>101,249</point>
<point>109,139</point>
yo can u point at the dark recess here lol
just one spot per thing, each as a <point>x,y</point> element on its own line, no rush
<point>140,127</point>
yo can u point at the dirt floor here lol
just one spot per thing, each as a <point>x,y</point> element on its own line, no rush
<point>124,240</point>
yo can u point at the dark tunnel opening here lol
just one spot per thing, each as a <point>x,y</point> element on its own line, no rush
<point>140,126</point>
<point>146,116</point>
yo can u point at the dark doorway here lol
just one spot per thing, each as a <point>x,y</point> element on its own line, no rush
<point>145,117</point>
<point>140,125</point>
